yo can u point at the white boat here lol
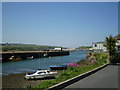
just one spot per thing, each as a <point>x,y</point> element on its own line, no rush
<point>30,57</point>
<point>45,54</point>
<point>0,58</point>
<point>14,58</point>
<point>40,74</point>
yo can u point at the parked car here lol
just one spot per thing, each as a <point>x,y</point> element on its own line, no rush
<point>40,74</point>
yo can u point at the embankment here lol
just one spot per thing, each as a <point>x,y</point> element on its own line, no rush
<point>36,54</point>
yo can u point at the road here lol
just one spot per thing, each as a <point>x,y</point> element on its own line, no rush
<point>105,78</point>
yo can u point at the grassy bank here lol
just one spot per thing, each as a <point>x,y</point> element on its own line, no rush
<point>94,61</point>
<point>25,47</point>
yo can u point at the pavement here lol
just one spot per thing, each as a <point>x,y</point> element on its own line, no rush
<point>105,78</point>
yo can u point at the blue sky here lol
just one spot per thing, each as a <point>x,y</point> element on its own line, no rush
<point>59,24</point>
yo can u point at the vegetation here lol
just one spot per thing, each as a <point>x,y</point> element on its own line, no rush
<point>84,47</point>
<point>99,59</point>
<point>24,47</point>
<point>111,47</point>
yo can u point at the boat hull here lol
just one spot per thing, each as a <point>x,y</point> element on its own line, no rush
<point>40,74</point>
<point>58,67</point>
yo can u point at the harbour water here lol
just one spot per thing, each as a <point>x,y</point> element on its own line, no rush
<point>24,66</point>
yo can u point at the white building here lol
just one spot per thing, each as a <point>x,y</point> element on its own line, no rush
<point>99,47</point>
<point>59,49</point>
<point>118,42</point>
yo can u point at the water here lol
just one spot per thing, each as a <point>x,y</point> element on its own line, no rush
<point>24,66</point>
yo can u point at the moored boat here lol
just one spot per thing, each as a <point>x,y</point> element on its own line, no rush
<point>40,74</point>
<point>58,67</point>
<point>13,58</point>
<point>0,58</point>
<point>30,57</point>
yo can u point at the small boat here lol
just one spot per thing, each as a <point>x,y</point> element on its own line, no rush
<point>40,74</point>
<point>45,55</point>
<point>0,58</point>
<point>30,57</point>
<point>18,58</point>
<point>58,67</point>
<point>13,58</point>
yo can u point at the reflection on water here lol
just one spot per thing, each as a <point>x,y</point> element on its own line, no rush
<point>40,63</point>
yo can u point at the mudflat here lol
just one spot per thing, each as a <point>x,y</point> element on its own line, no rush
<point>18,81</point>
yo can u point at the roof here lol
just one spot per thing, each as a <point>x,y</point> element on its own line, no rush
<point>117,37</point>
<point>98,42</point>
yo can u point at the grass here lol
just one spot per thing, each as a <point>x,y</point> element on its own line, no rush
<point>75,71</point>
<point>25,47</point>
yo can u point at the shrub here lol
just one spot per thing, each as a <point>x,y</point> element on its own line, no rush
<point>93,61</point>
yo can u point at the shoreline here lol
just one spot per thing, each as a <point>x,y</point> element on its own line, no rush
<point>18,81</point>
<point>81,61</point>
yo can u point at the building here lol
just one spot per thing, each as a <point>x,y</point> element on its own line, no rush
<point>117,37</point>
<point>100,46</point>
<point>58,49</point>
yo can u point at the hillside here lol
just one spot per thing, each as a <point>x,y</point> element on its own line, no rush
<point>84,47</point>
<point>25,47</point>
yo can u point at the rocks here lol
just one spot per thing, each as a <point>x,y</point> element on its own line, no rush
<point>89,55</point>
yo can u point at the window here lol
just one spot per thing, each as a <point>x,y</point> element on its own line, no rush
<point>41,72</point>
<point>118,48</point>
<point>48,71</point>
<point>95,45</point>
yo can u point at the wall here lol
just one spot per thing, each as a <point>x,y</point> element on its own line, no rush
<point>6,56</point>
<point>99,47</point>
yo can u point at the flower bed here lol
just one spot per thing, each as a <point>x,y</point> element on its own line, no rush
<point>73,64</point>
<point>74,70</point>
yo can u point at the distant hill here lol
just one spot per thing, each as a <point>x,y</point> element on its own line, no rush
<point>84,47</point>
<point>25,47</point>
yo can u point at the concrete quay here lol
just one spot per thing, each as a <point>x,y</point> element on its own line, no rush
<point>36,54</point>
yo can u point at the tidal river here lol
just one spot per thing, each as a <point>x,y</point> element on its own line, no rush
<point>24,66</point>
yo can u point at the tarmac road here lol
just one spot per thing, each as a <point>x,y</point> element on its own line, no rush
<point>105,78</point>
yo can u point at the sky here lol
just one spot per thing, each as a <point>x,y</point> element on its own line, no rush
<point>67,24</point>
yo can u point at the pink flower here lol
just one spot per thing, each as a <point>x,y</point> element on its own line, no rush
<point>93,61</point>
<point>73,64</point>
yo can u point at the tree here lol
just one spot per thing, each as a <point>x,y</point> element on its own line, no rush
<point>111,47</point>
